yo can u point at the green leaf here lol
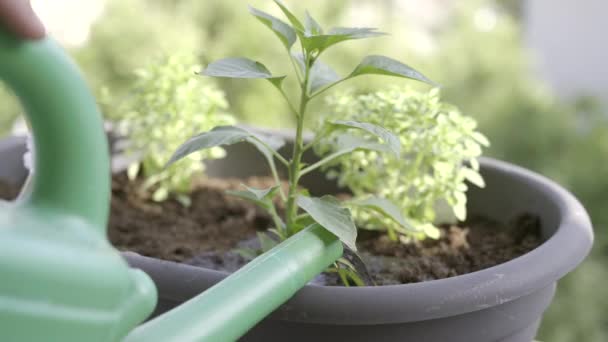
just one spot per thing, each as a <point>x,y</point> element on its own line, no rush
<point>431,231</point>
<point>260,197</point>
<point>481,139</point>
<point>347,143</point>
<point>218,136</point>
<point>388,137</point>
<point>286,33</point>
<point>320,76</point>
<point>460,211</point>
<point>381,65</point>
<point>357,32</point>
<point>239,67</point>
<point>328,213</point>
<point>292,18</point>
<point>263,149</point>
<point>311,26</point>
<point>246,253</point>
<point>336,35</point>
<point>301,222</point>
<point>225,135</point>
<point>133,170</point>
<point>160,194</point>
<point>266,242</point>
<point>299,57</point>
<point>259,194</point>
<point>473,177</point>
<point>387,209</point>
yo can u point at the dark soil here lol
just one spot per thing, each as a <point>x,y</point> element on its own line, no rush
<point>214,222</point>
<point>216,228</point>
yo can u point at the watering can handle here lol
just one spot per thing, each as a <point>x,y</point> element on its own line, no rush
<point>54,251</point>
<point>72,162</point>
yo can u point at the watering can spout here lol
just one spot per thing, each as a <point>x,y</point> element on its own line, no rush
<point>229,309</point>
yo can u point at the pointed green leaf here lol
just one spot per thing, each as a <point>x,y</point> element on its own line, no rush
<point>431,231</point>
<point>328,213</point>
<point>336,35</point>
<point>481,139</point>
<point>133,170</point>
<point>261,194</point>
<point>261,197</point>
<point>321,74</point>
<point>246,195</point>
<point>356,32</point>
<point>381,65</point>
<point>276,81</point>
<point>225,135</point>
<point>473,177</point>
<point>266,242</point>
<point>299,57</point>
<point>347,143</point>
<point>354,262</point>
<point>286,33</point>
<point>218,136</point>
<point>160,194</point>
<point>292,18</point>
<point>380,132</point>
<point>270,144</point>
<point>239,67</point>
<point>312,28</point>
<point>387,209</point>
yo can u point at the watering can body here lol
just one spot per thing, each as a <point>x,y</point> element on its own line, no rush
<point>61,280</point>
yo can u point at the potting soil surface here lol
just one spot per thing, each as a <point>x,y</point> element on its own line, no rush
<point>216,230</point>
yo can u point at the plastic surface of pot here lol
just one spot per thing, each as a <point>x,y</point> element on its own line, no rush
<point>503,303</point>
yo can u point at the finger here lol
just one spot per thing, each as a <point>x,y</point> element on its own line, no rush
<point>19,17</point>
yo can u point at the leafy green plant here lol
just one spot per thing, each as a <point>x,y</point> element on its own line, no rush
<point>167,103</point>
<point>314,78</point>
<point>439,153</point>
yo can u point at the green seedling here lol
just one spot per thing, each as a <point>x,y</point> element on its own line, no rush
<point>314,78</point>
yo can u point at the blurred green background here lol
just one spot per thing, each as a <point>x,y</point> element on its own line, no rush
<point>474,48</point>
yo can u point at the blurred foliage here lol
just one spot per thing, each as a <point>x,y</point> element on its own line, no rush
<point>474,50</point>
<point>9,110</point>
<point>439,151</point>
<point>165,106</point>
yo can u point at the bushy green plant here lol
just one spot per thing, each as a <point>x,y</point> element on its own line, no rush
<point>439,153</point>
<point>314,78</point>
<point>167,103</point>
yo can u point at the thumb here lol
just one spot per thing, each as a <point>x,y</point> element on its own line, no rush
<point>19,17</point>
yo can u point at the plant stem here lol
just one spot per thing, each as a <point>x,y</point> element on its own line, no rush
<point>298,151</point>
<point>330,86</point>
<point>318,136</point>
<point>275,175</point>
<point>281,229</point>
<point>321,163</point>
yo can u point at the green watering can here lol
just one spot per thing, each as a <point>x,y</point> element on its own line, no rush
<point>61,280</point>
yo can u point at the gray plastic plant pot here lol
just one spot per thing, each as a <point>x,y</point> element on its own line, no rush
<point>503,303</point>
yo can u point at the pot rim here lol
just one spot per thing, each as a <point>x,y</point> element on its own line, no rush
<point>496,285</point>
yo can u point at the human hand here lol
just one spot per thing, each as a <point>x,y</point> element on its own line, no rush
<point>18,17</point>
